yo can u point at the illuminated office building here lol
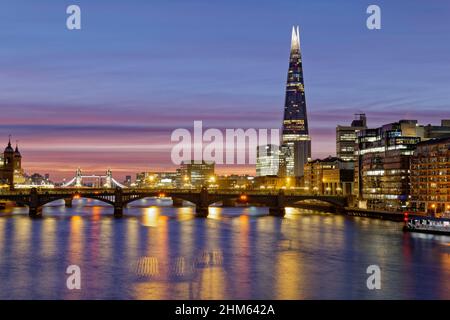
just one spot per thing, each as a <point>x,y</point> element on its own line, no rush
<point>268,160</point>
<point>196,174</point>
<point>346,137</point>
<point>329,176</point>
<point>382,168</point>
<point>384,156</point>
<point>430,177</point>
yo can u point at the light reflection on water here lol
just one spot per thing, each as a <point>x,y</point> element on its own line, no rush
<point>160,252</point>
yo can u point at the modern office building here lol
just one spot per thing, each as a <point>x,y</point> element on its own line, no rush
<point>430,177</point>
<point>346,137</point>
<point>382,166</point>
<point>196,174</point>
<point>267,160</point>
<point>382,169</point>
<point>296,142</point>
<point>329,176</point>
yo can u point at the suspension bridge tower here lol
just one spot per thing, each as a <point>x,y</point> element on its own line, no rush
<point>78,178</point>
<point>108,182</point>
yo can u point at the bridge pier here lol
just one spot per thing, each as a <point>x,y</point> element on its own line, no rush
<point>118,212</point>
<point>201,208</point>
<point>68,202</point>
<point>201,212</point>
<point>278,210</point>
<point>177,202</point>
<point>34,210</point>
<point>118,203</point>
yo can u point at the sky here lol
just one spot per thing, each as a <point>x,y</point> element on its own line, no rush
<point>110,95</point>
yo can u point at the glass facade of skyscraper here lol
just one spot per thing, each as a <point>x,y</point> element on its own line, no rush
<point>296,143</point>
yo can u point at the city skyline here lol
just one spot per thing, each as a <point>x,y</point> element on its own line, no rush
<point>65,99</point>
<point>224,158</point>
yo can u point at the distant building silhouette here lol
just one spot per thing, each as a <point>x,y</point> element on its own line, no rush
<point>11,166</point>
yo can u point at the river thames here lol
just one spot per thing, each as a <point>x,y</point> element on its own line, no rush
<point>160,252</point>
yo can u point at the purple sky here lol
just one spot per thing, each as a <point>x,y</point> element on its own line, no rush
<point>110,94</point>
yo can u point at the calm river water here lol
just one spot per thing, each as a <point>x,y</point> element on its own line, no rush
<point>160,252</point>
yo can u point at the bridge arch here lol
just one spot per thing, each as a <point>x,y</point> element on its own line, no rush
<point>133,198</point>
<point>214,200</point>
<point>136,197</point>
<point>341,203</point>
<point>175,199</point>
<point>45,201</point>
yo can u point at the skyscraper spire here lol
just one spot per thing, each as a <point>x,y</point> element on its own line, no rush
<point>296,143</point>
<point>295,39</point>
<point>295,118</point>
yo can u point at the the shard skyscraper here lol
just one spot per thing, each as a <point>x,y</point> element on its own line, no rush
<point>296,143</point>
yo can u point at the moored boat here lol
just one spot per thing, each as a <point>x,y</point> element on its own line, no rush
<point>426,224</point>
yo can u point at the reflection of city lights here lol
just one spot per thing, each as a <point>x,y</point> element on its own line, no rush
<point>289,212</point>
<point>214,212</point>
<point>150,217</point>
<point>147,267</point>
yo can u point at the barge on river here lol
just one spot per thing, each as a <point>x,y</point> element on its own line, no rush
<point>426,224</point>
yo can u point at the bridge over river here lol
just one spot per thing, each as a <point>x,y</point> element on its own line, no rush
<point>276,200</point>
